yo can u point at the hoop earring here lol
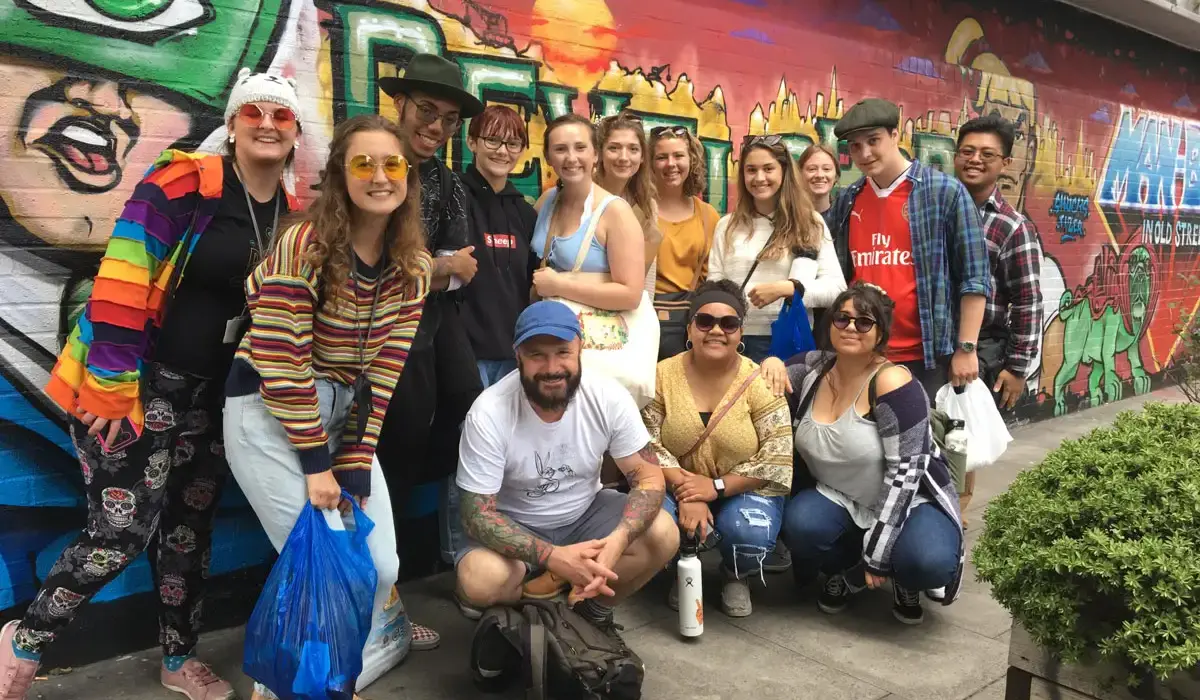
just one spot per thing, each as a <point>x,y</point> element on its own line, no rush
<point>741,348</point>
<point>688,344</point>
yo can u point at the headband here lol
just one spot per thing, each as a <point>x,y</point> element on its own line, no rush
<point>718,296</point>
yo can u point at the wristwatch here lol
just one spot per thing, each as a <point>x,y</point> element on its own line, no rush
<point>719,485</point>
<point>966,346</point>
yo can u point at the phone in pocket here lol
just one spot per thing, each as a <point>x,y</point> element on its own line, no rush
<point>126,436</point>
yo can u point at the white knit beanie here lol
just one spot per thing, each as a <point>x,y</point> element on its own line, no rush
<point>256,87</point>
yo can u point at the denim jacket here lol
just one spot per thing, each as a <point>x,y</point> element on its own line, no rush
<point>950,254</point>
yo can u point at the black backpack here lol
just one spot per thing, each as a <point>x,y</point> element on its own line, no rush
<point>555,651</point>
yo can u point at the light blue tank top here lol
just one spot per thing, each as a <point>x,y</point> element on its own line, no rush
<point>565,249</point>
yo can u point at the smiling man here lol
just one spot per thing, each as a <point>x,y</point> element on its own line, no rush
<point>1012,321</point>
<point>529,479</point>
<point>913,231</point>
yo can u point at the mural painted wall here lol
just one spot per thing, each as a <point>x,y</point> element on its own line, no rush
<point>1107,161</point>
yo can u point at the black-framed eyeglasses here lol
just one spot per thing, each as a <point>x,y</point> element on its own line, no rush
<point>768,140</point>
<point>706,322</point>
<point>428,114</point>
<point>678,131</point>
<point>493,143</point>
<point>986,155</point>
<point>862,324</point>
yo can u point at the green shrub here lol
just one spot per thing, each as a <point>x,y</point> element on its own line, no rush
<point>1097,549</point>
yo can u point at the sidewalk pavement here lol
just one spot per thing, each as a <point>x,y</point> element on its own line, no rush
<point>787,649</point>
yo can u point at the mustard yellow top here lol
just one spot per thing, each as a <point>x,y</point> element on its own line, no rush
<point>754,439</point>
<point>684,248</point>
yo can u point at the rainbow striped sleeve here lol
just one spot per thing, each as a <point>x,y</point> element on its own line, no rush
<point>282,293</point>
<point>99,367</point>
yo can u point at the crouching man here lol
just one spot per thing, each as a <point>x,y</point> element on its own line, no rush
<point>529,476</point>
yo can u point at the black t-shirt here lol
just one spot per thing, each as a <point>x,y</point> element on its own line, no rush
<point>213,287</point>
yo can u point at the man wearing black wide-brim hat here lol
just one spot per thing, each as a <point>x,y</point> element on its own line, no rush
<point>419,439</point>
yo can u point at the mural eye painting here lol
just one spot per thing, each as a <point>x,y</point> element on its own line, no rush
<point>135,17</point>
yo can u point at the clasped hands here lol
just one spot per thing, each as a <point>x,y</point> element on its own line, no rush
<point>588,566</point>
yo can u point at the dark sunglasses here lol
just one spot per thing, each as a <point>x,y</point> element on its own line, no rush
<point>253,115</point>
<point>862,324</point>
<point>679,131</point>
<point>770,140</point>
<point>705,322</point>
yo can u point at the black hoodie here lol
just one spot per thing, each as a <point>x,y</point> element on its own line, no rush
<point>501,226</point>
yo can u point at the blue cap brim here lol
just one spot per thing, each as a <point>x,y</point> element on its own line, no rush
<point>566,334</point>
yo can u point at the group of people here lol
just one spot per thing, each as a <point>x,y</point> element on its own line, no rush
<point>387,336</point>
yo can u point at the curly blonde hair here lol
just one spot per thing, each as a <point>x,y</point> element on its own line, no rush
<point>639,191</point>
<point>330,251</point>
<point>696,182</point>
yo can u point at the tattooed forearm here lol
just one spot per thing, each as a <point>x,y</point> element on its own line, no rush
<point>498,532</point>
<point>647,453</point>
<point>640,510</point>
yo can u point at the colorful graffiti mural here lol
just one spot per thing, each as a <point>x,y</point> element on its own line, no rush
<point>1107,162</point>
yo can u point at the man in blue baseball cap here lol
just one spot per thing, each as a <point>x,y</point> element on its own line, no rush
<point>529,480</point>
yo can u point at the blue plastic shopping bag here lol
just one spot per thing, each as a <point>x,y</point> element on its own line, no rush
<point>305,638</point>
<point>791,333</point>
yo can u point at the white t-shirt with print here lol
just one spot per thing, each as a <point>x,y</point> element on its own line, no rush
<point>546,474</point>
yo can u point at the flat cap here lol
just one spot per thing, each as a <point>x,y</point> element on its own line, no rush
<point>871,113</point>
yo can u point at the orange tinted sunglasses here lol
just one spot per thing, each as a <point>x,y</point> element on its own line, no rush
<point>363,166</point>
<point>253,115</point>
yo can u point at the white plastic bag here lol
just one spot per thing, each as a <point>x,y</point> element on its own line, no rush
<point>987,435</point>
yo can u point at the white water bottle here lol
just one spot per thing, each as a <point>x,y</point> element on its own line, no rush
<point>690,589</point>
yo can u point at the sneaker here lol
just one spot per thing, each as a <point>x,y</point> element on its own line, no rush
<point>16,675</point>
<point>735,596</point>
<point>778,560</point>
<point>906,605</point>
<point>835,595</point>
<point>469,611</point>
<point>424,638</point>
<point>196,680</point>
<point>545,587</point>
<point>606,623</point>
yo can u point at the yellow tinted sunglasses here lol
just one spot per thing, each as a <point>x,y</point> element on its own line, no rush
<point>363,166</point>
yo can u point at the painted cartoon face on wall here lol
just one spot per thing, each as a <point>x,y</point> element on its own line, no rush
<point>1015,178</point>
<point>78,150</point>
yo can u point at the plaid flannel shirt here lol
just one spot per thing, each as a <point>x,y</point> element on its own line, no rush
<point>1014,308</point>
<point>950,254</point>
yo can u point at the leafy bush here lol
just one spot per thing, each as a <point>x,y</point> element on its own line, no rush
<point>1185,362</point>
<point>1097,549</point>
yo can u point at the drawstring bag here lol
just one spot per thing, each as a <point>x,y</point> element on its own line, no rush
<point>791,334</point>
<point>305,638</point>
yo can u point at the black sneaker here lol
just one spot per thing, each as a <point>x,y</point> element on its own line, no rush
<point>605,623</point>
<point>778,560</point>
<point>834,596</point>
<point>906,605</point>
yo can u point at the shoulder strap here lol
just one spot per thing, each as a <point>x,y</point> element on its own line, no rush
<point>716,417</point>
<point>807,399</point>
<point>707,214</point>
<point>872,391</point>
<point>588,235</point>
<point>552,202</point>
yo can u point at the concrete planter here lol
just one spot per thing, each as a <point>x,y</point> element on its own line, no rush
<point>1034,673</point>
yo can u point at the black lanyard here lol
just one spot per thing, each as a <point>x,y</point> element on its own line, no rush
<point>362,384</point>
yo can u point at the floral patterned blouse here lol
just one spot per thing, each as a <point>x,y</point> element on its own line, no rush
<point>754,439</point>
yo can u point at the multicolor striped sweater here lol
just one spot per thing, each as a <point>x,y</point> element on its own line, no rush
<point>99,368</point>
<point>291,343</point>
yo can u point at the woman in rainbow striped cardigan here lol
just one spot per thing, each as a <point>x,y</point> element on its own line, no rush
<point>141,375</point>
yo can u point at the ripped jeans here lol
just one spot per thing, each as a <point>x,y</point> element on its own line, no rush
<point>748,525</point>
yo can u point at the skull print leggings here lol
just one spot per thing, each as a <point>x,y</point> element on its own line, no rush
<point>159,493</point>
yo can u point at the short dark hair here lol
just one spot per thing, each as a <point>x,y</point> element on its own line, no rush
<point>991,124</point>
<point>727,286</point>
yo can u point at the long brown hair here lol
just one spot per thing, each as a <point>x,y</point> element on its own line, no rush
<point>639,191</point>
<point>329,250</point>
<point>795,221</point>
<point>696,181</point>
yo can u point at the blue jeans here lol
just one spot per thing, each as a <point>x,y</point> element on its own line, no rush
<point>449,515</point>
<point>757,347</point>
<point>823,538</point>
<point>748,525</point>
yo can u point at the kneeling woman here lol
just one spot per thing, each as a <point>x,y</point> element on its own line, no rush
<point>333,313</point>
<point>723,440</point>
<point>884,505</point>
